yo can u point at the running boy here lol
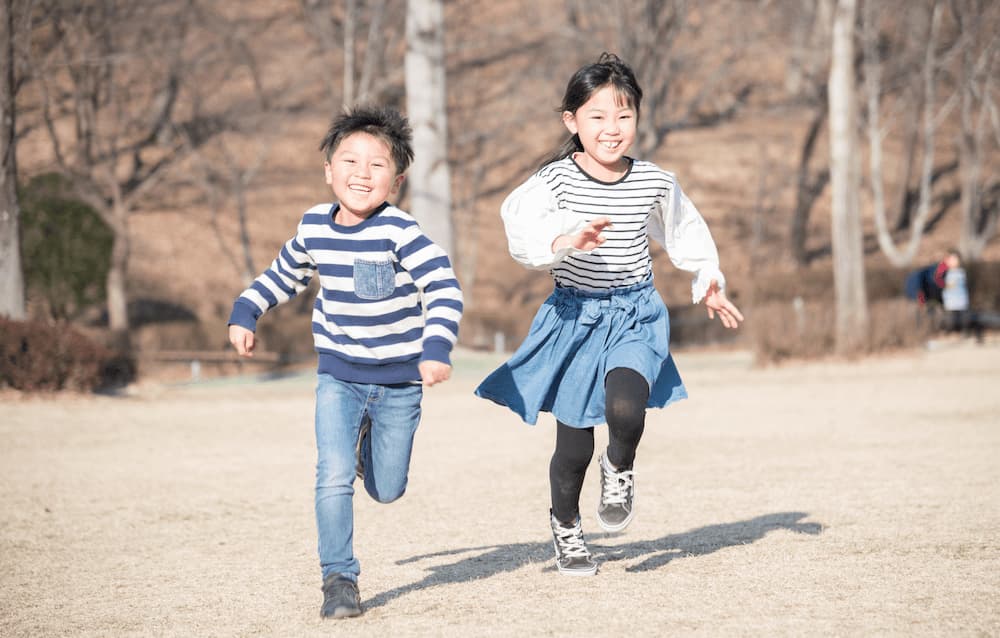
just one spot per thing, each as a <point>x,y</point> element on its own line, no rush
<point>376,341</point>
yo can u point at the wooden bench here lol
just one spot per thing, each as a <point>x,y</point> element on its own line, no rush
<point>195,358</point>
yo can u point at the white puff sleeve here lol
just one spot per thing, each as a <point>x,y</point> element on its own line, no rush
<point>678,226</point>
<point>533,219</point>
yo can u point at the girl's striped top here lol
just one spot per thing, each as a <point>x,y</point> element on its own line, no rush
<point>560,199</point>
<point>369,324</point>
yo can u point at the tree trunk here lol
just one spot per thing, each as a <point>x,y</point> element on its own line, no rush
<point>896,256</point>
<point>976,89</point>
<point>429,177</point>
<point>373,51</point>
<point>117,289</point>
<point>12,303</point>
<point>848,257</point>
<point>249,269</point>
<point>802,22</point>
<point>350,21</point>
<point>808,189</point>
<point>903,199</point>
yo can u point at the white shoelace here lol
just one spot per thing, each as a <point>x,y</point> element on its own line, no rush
<point>571,542</point>
<point>616,486</point>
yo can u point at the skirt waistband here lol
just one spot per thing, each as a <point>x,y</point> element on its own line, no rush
<point>588,306</point>
<point>566,291</point>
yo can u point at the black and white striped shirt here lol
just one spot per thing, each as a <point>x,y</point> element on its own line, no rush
<point>646,202</point>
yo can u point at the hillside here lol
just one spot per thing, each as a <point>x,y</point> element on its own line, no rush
<point>505,84</point>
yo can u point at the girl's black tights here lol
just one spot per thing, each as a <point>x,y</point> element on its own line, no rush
<point>626,393</point>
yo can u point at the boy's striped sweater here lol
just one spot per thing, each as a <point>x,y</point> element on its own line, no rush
<point>368,323</point>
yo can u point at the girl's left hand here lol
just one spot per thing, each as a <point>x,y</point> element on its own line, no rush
<point>717,304</point>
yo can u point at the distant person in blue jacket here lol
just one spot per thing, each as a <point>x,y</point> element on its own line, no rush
<point>944,286</point>
<point>925,284</point>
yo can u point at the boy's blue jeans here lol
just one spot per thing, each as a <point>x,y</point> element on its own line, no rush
<point>394,411</point>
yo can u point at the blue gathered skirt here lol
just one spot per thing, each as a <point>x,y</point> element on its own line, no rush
<point>575,339</point>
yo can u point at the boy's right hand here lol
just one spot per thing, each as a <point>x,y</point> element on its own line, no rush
<point>242,339</point>
<point>432,372</point>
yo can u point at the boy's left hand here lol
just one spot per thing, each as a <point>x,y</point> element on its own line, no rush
<point>432,372</point>
<point>717,304</point>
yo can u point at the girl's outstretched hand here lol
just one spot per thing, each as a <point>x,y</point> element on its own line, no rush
<point>587,239</point>
<point>717,304</point>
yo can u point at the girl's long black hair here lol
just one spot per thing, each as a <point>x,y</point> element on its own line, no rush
<point>609,70</point>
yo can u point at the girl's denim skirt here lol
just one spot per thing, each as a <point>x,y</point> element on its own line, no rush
<point>575,339</point>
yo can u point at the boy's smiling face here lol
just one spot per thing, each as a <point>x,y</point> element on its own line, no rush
<point>361,175</point>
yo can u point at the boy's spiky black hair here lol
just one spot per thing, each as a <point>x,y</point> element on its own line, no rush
<point>387,124</point>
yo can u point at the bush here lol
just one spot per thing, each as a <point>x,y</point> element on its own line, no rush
<point>56,357</point>
<point>805,329</point>
<point>690,326</point>
<point>66,246</point>
<point>984,285</point>
<point>792,313</point>
<point>814,284</point>
<point>782,330</point>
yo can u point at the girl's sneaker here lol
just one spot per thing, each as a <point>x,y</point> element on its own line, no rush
<point>615,510</point>
<point>572,556</point>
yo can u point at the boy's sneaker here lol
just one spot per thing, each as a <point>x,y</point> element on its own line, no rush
<point>359,467</point>
<point>615,510</point>
<point>340,597</point>
<point>572,556</point>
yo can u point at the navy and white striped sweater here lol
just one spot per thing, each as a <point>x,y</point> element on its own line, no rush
<point>368,323</point>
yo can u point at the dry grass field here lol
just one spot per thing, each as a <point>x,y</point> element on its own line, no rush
<point>812,499</point>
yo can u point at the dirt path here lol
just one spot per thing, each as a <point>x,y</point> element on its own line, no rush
<point>811,499</point>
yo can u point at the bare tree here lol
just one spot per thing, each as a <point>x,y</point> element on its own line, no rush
<point>979,65</point>
<point>809,25</point>
<point>126,92</point>
<point>12,302</point>
<point>851,325</point>
<point>426,100</point>
<point>324,28</point>
<point>895,46</point>
<point>115,156</point>
<point>350,23</point>
<point>876,133</point>
<point>808,185</point>
<point>226,166</point>
<point>330,22</point>
<point>489,69</point>
<point>902,50</point>
<point>805,78</point>
<point>374,79</point>
<point>687,82</point>
<point>224,173</point>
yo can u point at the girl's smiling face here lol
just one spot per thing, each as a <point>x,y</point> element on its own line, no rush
<point>362,175</point>
<point>606,125</point>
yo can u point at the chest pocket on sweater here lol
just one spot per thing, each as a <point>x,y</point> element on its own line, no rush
<point>373,279</point>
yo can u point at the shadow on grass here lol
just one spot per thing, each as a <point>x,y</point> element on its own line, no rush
<point>490,560</point>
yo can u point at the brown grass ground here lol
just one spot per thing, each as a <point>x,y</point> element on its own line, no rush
<point>822,499</point>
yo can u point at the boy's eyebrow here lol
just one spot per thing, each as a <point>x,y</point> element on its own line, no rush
<point>345,151</point>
